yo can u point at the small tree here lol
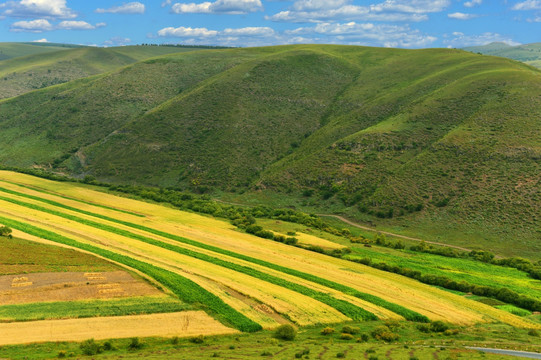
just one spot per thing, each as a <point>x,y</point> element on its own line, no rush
<point>285,332</point>
<point>5,231</point>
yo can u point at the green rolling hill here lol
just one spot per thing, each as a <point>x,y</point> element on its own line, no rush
<point>26,70</point>
<point>438,143</point>
<point>9,50</point>
<point>527,53</point>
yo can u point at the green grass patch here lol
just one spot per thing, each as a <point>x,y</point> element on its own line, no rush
<point>90,308</point>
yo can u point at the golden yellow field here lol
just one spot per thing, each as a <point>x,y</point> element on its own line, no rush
<point>265,303</point>
<point>181,324</point>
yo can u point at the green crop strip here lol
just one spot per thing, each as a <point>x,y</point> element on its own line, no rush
<point>187,290</point>
<point>406,313</point>
<point>82,309</point>
<point>352,311</point>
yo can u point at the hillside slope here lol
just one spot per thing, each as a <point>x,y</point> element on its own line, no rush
<point>443,141</point>
<point>527,53</point>
<point>9,50</point>
<point>29,71</point>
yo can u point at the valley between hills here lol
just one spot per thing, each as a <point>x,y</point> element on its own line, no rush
<point>161,201</point>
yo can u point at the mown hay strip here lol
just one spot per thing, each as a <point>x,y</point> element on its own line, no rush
<point>183,324</point>
<point>340,305</point>
<point>185,289</point>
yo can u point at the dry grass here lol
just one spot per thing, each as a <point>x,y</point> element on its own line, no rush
<point>182,324</point>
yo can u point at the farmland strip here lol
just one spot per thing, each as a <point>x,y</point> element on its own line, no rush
<point>400,310</point>
<point>350,310</point>
<point>187,290</point>
<point>63,197</point>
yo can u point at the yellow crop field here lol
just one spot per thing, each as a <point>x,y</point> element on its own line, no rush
<point>182,324</point>
<point>264,302</point>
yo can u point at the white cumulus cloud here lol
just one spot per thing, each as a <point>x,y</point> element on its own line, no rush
<point>47,9</point>
<point>459,39</point>
<point>77,25</point>
<point>461,16</point>
<point>473,3</point>
<point>219,7</point>
<point>35,26</point>
<point>528,5</point>
<point>186,32</point>
<point>128,8</point>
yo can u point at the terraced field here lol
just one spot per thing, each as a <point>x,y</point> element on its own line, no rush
<point>245,282</point>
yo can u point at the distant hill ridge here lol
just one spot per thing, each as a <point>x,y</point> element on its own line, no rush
<point>527,53</point>
<point>441,140</point>
<point>31,66</point>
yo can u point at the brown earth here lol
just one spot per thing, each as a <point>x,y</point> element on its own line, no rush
<point>71,286</point>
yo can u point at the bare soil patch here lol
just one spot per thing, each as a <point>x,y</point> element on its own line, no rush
<point>71,286</point>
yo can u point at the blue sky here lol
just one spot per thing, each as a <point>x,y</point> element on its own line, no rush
<point>388,23</point>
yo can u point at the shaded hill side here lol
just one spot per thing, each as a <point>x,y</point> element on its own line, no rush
<point>442,141</point>
<point>21,74</point>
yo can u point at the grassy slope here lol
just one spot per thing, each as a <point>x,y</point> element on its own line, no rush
<point>21,74</point>
<point>378,130</point>
<point>9,50</point>
<point>528,53</point>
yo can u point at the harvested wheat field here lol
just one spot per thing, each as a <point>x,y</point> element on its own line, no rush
<point>181,324</point>
<point>261,282</point>
<point>45,287</point>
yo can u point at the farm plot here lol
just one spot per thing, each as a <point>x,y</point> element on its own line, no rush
<point>43,287</point>
<point>182,324</point>
<point>160,236</point>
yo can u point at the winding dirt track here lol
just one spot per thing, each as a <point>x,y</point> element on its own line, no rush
<point>341,218</point>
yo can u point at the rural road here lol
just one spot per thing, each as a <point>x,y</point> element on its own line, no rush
<point>341,218</point>
<point>523,354</point>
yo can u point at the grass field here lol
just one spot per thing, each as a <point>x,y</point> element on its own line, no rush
<point>267,282</point>
<point>309,343</point>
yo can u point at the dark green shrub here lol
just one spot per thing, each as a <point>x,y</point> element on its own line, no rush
<point>175,340</point>
<point>285,332</point>
<point>62,354</point>
<point>327,331</point>
<point>108,346</point>
<point>533,332</point>
<point>135,344</point>
<point>198,339</point>
<point>90,347</point>
<point>438,326</point>
<point>340,355</point>
<point>350,330</point>
<point>266,353</point>
<point>346,336</point>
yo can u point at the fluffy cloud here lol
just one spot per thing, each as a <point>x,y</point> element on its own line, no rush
<point>35,26</point>
<point>249,31</point>
<point>129,8</point>
<point>461,16</point>
<point>117,41</point>
<point>473,3</point>
<point>528,5</point>
<point>459,39</point>
<point>41,41</point>
<point>78,25</point>
<point>335,10</point>
<point>46,9</point>
<point>41,25</point>
<point>367,34</point>
<point>219,7</point>
<point>187,32</point>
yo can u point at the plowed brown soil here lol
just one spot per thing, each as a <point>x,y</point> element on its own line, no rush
<point>70,286</point>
